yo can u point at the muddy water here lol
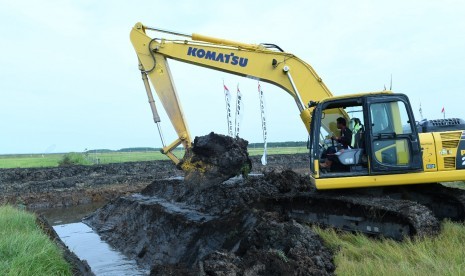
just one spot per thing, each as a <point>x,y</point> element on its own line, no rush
<point>87,244</point>
<point>65,215</point>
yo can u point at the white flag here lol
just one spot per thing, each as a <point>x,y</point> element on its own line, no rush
<point>262,112</point>
<point>239,111</point>
<point>227,98</point>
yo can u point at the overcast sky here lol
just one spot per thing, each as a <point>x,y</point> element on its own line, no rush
<point>69,77</point>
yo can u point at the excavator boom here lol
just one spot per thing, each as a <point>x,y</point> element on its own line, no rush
<point>282,69</point>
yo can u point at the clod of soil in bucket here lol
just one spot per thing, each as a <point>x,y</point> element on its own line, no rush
<point>213,159</point>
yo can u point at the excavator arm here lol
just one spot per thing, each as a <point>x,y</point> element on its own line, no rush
<point>259,62</point>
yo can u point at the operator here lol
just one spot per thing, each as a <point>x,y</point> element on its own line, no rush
<point>344,140</point>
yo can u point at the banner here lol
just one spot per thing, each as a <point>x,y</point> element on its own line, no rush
<point>262,113</point>
<point>239,111</point>
<point>227,98</point>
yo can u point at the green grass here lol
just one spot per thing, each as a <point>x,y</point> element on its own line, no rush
<point>279,150</point>
<point>52,160</point>
<point>29,160</point>
<point>358,254</point>
<point>456,184</point>
<point>25,249</point>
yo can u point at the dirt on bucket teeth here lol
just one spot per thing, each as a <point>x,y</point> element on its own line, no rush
<point>174,227</point>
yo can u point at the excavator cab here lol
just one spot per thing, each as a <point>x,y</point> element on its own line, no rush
<point>384,137</point>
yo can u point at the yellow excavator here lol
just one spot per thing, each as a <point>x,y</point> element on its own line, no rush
<point>387,148</point>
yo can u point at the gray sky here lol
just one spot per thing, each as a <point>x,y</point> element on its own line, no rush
<point>70,79</point>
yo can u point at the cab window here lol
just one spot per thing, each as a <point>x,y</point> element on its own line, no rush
<point>390,121</point>
<point>391,117</point>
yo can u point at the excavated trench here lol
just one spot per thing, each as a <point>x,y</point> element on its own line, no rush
<point>212,232</point>
<point>208,223</point>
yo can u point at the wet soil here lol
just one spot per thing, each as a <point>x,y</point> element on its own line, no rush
<point>211,224</point>
<point>213,159</point>
<point>208,223</point>
<point>39,188</point>
<point>236,227</point>
<point>217,231</point>
<point>75,185</point>
<point>202,226</point>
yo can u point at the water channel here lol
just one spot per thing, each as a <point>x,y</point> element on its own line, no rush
<point>87,244</point>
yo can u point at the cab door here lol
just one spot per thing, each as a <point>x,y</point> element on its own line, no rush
<point>393,145</point>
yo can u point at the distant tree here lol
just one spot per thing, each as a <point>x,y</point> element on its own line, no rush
<point>98,151</point>
<point>138,149</point>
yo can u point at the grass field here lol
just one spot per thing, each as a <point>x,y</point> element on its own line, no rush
<point>51,160</point>
<point>358,254</point>
<point>25,249</point>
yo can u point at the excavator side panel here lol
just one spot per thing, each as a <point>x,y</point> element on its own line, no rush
<point>430,162</point>
<point>449,149</point>
<point>443,151</point>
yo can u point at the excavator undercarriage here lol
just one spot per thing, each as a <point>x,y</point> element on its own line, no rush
<point>392,212</point>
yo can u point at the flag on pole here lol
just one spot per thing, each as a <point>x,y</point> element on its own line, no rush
<point>443,110</point>
<point>421,112</point>
<point>227,98</point>
<point>239,111</point>
<point>262,113</point>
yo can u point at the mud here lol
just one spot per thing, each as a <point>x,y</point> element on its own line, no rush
<point>76,185</point>
<point>207,223</point>
<point>216,232</point>
<point>39,188</point>
<point>213,159</point>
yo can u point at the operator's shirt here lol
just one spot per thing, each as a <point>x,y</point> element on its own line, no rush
<point>346,137</point>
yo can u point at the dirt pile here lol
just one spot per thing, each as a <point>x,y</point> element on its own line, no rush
<point>215,158</point>
<point>75,185</point>
<point>96,174</point>
<point>269,247</point>
<point>221,231</point>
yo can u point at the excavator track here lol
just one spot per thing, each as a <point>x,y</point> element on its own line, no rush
<point>444,202</point>
<point>373,215</point>
<point>394,212</point>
